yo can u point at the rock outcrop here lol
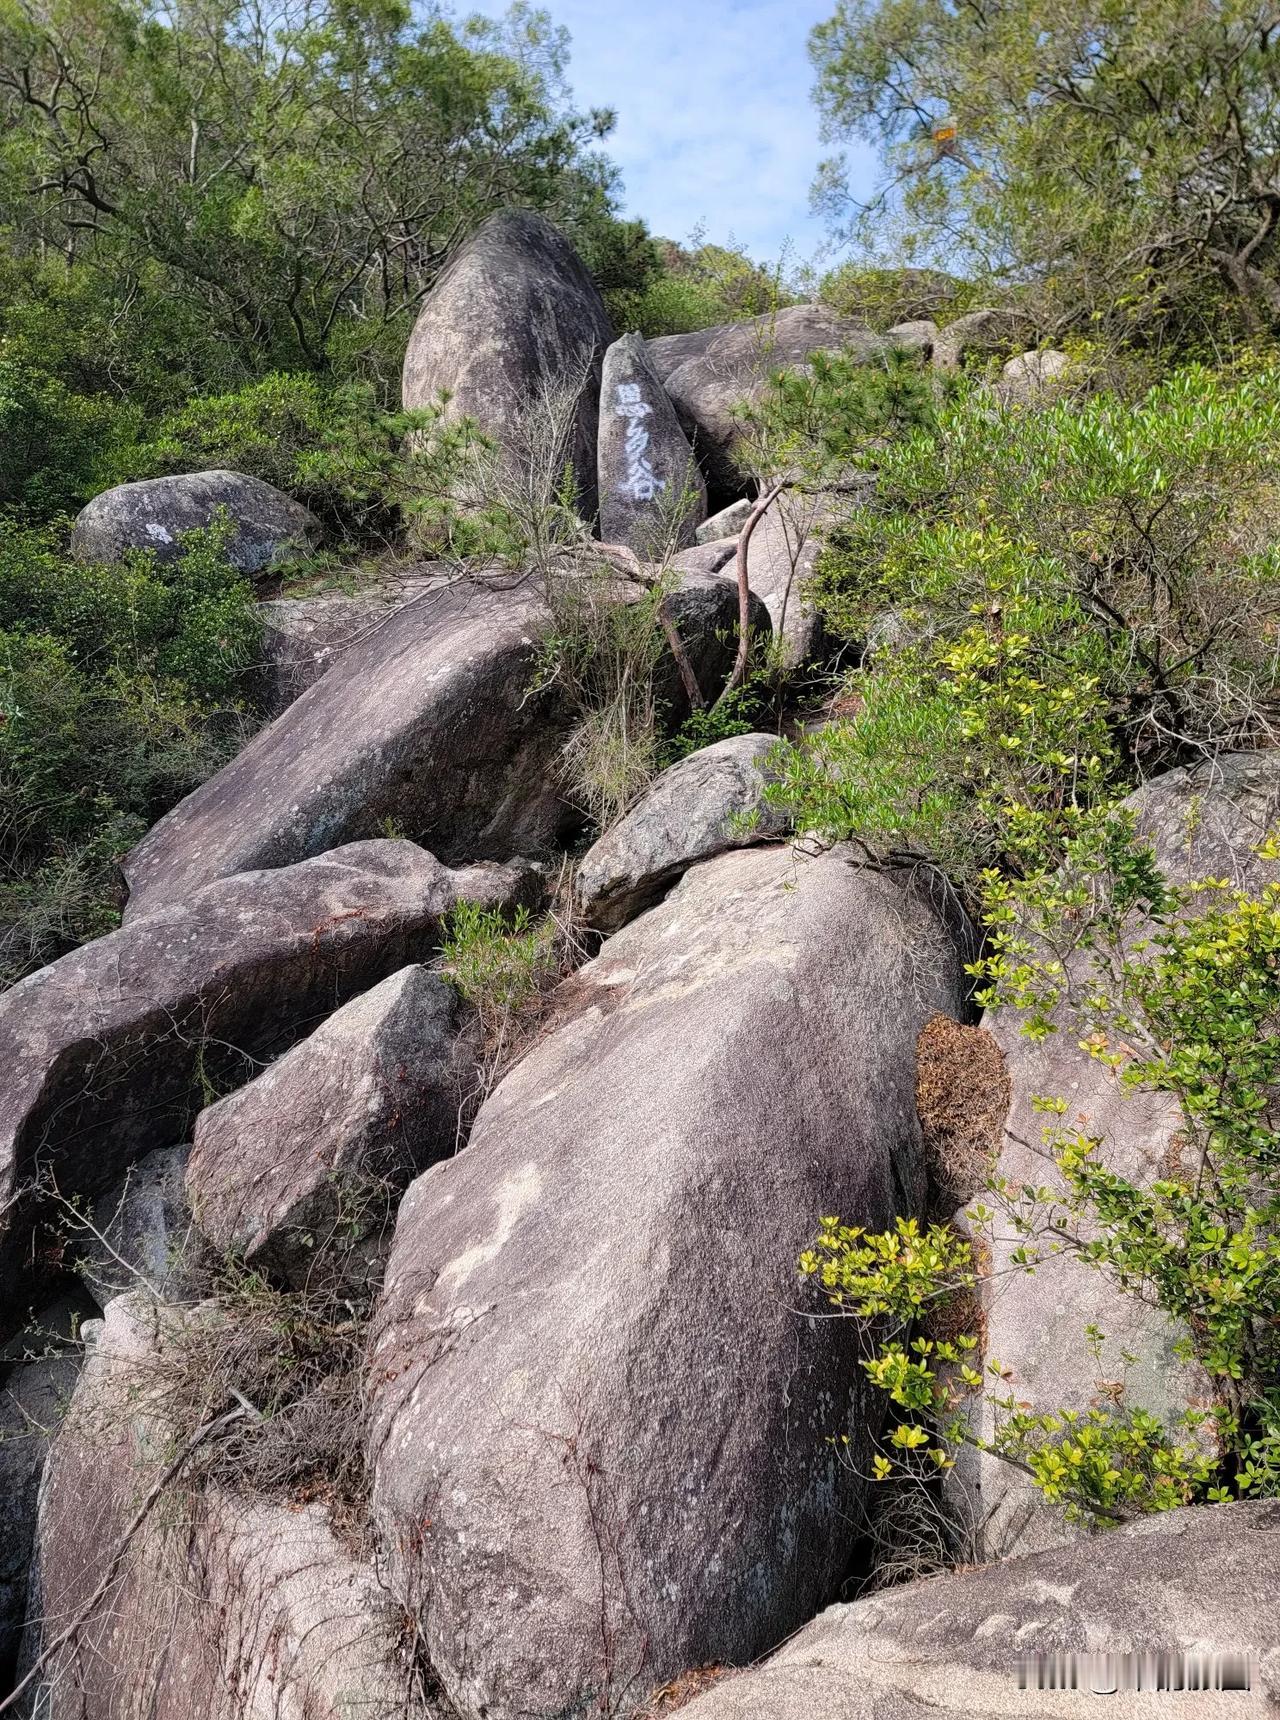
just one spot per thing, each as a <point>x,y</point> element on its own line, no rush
<point>1202,823</point>
<point>726,524</point>
<point>266,525</point>
<point>667,352</point>
<point>36,1383</point>
<point>1198,1583</point>
<point>736,366</point>
<point>601,1420</point>
<point>1029,375</point>
<point>303,637</point>
<point>106,1052</point>
<point>919,336</point>
<point>430,724</point>
<point>233,1608</point>
<point>302,1164</point>
<point>707,803</point>
<point>652,495</point>
<point>514,318</point>
<point>141,1231</point>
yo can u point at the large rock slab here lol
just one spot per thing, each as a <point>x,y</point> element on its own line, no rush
<point>652,495</point>
<point>590,1375</point>
<point>711,801</point>
<point>225,1606</point>
<point>782,556</point>
<point>667,352</point>
<point>107,1052</point>
<point>36,1383</point>
<point>513,314</point>
<point>266,525</point>
<point>1202,823</point>
<point>429,724</point>
<point>308,1157</point>
<point>736,366</point>
<point>727,523</point>
<point>1196,1582</point>
<point>304,636</point>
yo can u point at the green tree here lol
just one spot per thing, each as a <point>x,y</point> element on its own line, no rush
<point>296,175</point>
<point>1117,163</point>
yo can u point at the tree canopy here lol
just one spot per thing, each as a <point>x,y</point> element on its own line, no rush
<point>292,173</point>
<point>1118,163</point>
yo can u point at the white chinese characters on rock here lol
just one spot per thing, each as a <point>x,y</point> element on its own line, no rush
<point>640,483</point>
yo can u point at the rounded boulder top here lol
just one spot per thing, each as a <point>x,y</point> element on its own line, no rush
<point>514,316</point>
<point>154,513</point>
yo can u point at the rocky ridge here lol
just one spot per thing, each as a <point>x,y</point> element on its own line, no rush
<point>555,1426</point>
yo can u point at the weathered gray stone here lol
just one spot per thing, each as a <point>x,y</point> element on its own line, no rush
<point>36,1382</point>
<point>230,1608</point>
<point>727,523</point>
<point>667,352</point>
<point>105,1052</point>
<point>652,495</point>
<point>267,526</point>
<point>592,1370</point>
<point>302,637</point>
<point>709,558</point>
<point>707,803</point>
<point>514,313</point>
<point>1203,822</point>
<point>988,330</point>
<point>1196,1582</point>
<point>737,366</point>
<point>143,1228</point>
<point>1031,374</point>
<point>920,336</point>
<point>309,1155</point>
<point>782,555</point>
<point>430,723</point>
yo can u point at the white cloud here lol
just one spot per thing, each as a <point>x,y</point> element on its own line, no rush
<point>716,126</point>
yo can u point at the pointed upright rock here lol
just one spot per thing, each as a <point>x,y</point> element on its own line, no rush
<point>652,495</point>
<point>514,312</point>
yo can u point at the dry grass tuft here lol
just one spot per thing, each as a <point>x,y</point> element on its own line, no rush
<point>680,1691</point>
<point>962,1099</point>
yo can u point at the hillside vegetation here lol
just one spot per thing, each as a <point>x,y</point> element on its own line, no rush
<point>729,1025</point>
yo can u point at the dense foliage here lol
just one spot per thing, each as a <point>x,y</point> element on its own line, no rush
<point>284,184</point>
<point>1054,599</point>
<point>1115,163</point>
<point>121,688</point>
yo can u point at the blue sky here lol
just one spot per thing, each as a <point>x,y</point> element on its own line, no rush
<point>716,127</point>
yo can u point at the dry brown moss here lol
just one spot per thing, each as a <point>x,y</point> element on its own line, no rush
<point>962,1098</point>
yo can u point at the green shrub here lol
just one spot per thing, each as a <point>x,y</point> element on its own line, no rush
<point>119,692</point>
<point>1053,602</point>
<point>1177,990</point>
<point>57,448</point>
<point>679,290</point>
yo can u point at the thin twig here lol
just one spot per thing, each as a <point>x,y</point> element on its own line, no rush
<point>47,1655</point>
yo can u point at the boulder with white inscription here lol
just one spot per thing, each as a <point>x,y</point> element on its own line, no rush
<point>265,526</point>
<point>652,495</point>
